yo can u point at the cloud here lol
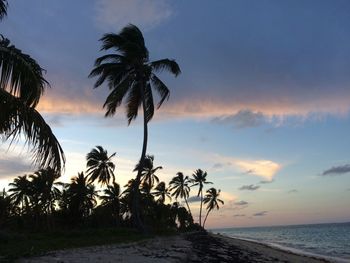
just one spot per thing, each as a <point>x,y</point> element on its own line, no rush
<point>263,168</point>
<point>241,203</point>
<point>242,119</point>
<point>249,187</point>
<point>194,199</point>
<point>145,13</point>
<point>337,170</point>
<point>262,213</point>
<point>266,181</point>
<point>239,215</point>
<point>292,191</point>
<point>11,166</point>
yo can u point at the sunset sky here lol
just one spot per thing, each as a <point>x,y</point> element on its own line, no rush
<point>262,103</point>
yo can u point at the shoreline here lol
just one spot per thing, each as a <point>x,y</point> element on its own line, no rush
<point>193,247</point>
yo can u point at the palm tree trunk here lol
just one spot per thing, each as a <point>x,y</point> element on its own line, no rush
<point>188,207</point>
<point>205,219</point>
<point>136,197</point>
<point>200,209</point>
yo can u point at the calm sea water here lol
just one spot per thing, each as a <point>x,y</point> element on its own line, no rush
<point>331,241</point>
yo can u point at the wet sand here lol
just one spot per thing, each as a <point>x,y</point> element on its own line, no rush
<point>193,247</point>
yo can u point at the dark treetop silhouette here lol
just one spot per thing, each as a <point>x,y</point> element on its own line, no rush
<point>131,77</point>
<point>21,86</point>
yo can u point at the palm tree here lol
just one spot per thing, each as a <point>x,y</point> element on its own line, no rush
<point>179,186</point>
<point>21,86</point>
<point>20,193</point>
<point>111,198</point>
<point>148,174</point>
<point>130,77</point>
<point>161,191</point>
<point>212,199</point>
<point>100,166</point>
<point>82,196</point>
<point>200,178</point>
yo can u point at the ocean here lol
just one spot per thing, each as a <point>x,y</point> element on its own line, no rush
<point>330,241</point>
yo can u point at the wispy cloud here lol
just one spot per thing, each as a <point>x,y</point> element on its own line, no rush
<point>337,170</point>
<point>145,13</point>
<point>250,187</point>
<point>262,213</point>
<point>266,181</point>
<point>293,191</point>
<point>239,215</point>
<point>242,119</point>
<point>194,199</point>
<point>241,203</point>
<point>263,168</point>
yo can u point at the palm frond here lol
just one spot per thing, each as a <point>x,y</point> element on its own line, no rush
<point>133,102</point>
<point>161,88</point>
<point>149,112</point>
<point>20,73</point>
<point>17,118</point>
<point>166,64</point>
<point>3,8</point>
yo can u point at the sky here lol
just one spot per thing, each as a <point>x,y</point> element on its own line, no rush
<point>262,103</point>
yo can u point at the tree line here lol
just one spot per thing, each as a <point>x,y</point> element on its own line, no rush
<point>39,201</point>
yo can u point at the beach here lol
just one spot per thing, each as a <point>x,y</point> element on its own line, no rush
<point>190,247</point>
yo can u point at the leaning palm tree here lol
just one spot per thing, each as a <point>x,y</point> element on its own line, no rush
<point>131,76</point>
<point>148,174</point>
<point>212,199</point>
<point>100,166</point>
<point>200,178</point>
<point>21,86</point>
<point>179,187</point>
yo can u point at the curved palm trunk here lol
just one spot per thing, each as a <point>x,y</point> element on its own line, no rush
<point>136,197</point>
<point>200,209</point>
<point>205,219</point>
<point>188,207</point>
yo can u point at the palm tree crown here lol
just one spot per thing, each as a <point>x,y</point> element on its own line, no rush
<point>100,166</point>
<point>148,171</point>
<point>212,200</point>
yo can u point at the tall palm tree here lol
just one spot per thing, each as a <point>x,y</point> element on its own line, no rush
<point>212,199</point>
<point>21,86</point>
<point>200,178</point>
<point>162,192</point>
<point>180,187</point>
<point>148,174</point>
<point>111,198</point>
<point>131,76</point>
<point>100,166</point>
<point>20,193</point>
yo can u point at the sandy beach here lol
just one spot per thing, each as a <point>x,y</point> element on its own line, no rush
<point>193,247</point>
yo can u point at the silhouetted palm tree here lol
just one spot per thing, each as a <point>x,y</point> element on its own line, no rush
<point>148,174</point>
<point>179,186</point>
<point>161,191</point>
<point>200,178</point>
<point>21,86</point>
<point>100,166</point>
<point>20,193</point>
<point>111,198</point>
<point>131,76</point>
<point>212,199</point>
<point>82,196</point>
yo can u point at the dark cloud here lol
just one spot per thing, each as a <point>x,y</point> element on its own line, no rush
<point>292,191</point>
<point>194,199</point>
<point>262,213</point>
<point>238,215</point>
<point>12,166</point>
<point>250,187</point>
<point>337,170</point>
<point>242,119</point>
<point>221,165</point>
<point>241,203</point>
<point>266,181</point>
